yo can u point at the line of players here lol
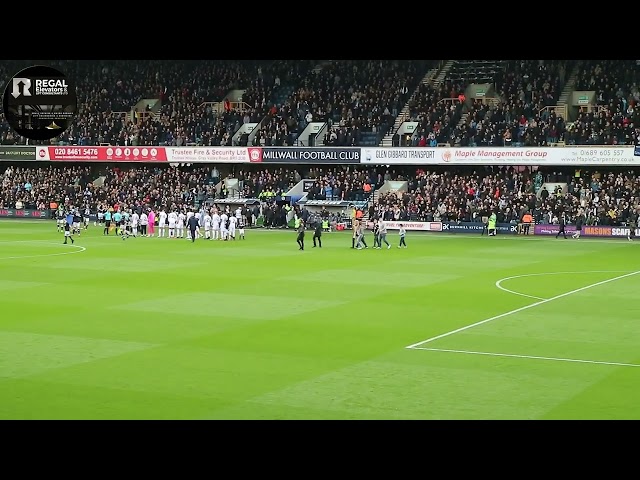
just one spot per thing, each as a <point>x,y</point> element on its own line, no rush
<point>217,225</point>
<point>73,218</point>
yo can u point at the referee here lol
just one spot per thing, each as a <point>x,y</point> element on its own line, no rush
<point>562,222</point>
<point>192,223</point>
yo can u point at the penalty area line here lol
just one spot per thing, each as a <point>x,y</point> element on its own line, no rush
<point>533,357</point>
<point>521,309</point>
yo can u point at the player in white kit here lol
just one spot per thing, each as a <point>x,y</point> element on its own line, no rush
<point>180,225</point>
<point>173,219</point>
<point>207,226</point>
<point>162,223</point>
<point>135,221</point>
<point>201,214</point>
<point>223,226</point>
<point>215,225</point>
<point>232,227</point>
<point>144,222</point>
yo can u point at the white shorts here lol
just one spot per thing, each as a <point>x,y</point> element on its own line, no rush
<point>241,231</point>
<point>162,225</point>
<point>86,219</point>
<point>67,233</point>
<point>76,225</point>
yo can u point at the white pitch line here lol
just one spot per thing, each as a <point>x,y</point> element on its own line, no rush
<point>534,357</point>
<point>521,309</point>
<point>82,249</point>
<point>499,282</point>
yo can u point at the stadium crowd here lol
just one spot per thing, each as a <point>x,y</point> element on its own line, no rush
<point>38,187</point>
<point>355,96</point>
<point>525,88</point>
<point>606,197</point>
<point>523,115</point>
<point>155,186</point>
<point>108,91</point>
<point>284,95</point>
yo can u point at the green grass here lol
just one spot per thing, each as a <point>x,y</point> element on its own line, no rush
<point>154,328</point>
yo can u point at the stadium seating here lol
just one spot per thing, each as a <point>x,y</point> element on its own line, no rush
<point>36,188</point>
<point>164,185</point>
<point>607,198</point>
<point>361,99</point>
<point>521,113</point>
<point>109,93</point>
<point>438,111</point>
<point>462,194</point>
<point>615,120</point>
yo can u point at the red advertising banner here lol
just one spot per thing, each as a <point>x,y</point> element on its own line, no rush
<point>255,154</point>
<point>102,154</point>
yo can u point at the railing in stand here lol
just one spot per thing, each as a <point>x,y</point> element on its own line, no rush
<point>122,115</point>
<point>218,107</point>
<point>560,110</point>
<point>491,101</point>
<point>591,109</point>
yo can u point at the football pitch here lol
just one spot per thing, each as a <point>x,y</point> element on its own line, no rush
<point>453,327</point>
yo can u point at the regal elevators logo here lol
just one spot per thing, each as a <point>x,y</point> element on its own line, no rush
<point>40,102</point>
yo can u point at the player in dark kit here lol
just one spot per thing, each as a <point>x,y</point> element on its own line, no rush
<point>376,234</point>
<point>192,223</point>
<point>86,217</point>
<point>579,223</point>
<point>562,224</point>
<point>301,235</point>
<point>633,224</point>
<point>77,221</point>
<point>67,233</point>
<point>317,234</point>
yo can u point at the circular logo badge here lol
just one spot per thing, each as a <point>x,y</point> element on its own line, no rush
<point>40,102</point>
